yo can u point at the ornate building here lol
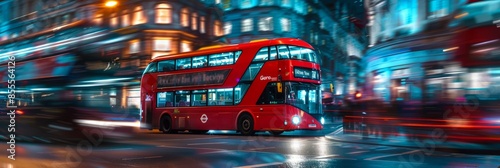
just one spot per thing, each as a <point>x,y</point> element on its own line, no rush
<point>125,33</point>
<point>332,34</point>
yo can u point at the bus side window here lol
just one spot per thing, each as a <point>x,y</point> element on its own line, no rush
<point>262,55</point>
<point>152,67</point>
<point>295,52</point>
<point>273,53</point>
<point>283,52</point>
<point>167,65</point>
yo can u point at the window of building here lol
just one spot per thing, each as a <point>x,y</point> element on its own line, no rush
<point>134,46</point>
<point>246,25</point>
<point>185,46</point>
<point>266,24</point>
<point>266,2</point>
<point>226,4</point>
<point>125,19</point>
<point>285,25</point>
<point>246,4</point>
<point>217,28</point>
<point>138,16</point>
<point>163,13</point>
<point>161,47</point>
<point>437,8</point>
<point>406,11</point>
<point>66,18</point>
<point>97,19</point>
<point>185,17</point>
<point>202,24</point>
<point>286,3</point>
<point>113,21</point>
<point>194,21</point>
<point>227,28</point>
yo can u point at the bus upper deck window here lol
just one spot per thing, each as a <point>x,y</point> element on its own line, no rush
<point>283,52</point>
<point>273,53</point>
<point>152,67</point>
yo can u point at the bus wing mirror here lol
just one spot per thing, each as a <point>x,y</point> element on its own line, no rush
<point>280,88</point>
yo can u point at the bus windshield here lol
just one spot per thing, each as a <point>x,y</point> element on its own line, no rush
<point>304,96</point>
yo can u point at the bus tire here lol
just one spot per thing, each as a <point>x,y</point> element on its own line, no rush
<point>245,124</point>
<point>166,125</point>
<point>276,133</point>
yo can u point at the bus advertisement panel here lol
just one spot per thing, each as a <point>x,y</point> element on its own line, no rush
<point>265,85</point>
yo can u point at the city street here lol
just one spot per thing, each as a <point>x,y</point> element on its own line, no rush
<point>218,149</point>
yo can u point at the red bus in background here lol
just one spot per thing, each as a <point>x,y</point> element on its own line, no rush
<point>263,85</point>
<point>478,46</point>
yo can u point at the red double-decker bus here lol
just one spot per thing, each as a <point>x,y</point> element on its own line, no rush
<point>263,85</point>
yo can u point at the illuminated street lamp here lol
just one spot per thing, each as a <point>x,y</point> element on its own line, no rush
<point>111,3</point>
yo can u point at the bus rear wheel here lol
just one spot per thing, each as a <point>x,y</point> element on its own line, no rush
<point>245,125</point>
<point>276,133</point>
<point>166,125</point>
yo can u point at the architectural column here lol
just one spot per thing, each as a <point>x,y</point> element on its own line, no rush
<point>417,80</point>
<point>422,8</point>
<point>388,84</point>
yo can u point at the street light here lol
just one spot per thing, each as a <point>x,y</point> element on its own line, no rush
<point>111,3</point>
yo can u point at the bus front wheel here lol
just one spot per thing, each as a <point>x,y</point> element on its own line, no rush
<point>166,125</point>
<point>245,125</point>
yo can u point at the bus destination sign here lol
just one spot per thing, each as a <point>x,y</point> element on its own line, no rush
<point>216,77</point>
<point>306,73</point>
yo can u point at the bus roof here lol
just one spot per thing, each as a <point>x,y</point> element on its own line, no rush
<point>233,47</point>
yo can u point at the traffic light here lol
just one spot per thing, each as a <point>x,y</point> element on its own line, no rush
<point>332,88</point>
<point>357,95</point>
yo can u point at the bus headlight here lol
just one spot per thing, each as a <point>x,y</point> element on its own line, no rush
<point>322,120</point>
<point>296,120</point>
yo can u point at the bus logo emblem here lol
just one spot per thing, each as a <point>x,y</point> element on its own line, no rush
<point>204,118</point>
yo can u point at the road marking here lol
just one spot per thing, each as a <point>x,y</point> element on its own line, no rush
<point>147,157</point>
<point>119,149</point>
<point>184,139</point>
<point>356,152</point>
<point>164,146</point>
<point>325,156</point>
<point>263,148</point>
<point>208,143</point>
<point>212,152</point>
<point>404,153</point>
<point>384,148</point>
<point>261,165</point>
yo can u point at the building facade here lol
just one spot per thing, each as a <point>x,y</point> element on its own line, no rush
<point>411,55</point>
<point>332,34</point>
<point>136,31</point>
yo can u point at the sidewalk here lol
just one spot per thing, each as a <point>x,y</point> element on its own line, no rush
<point>425,144</point>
